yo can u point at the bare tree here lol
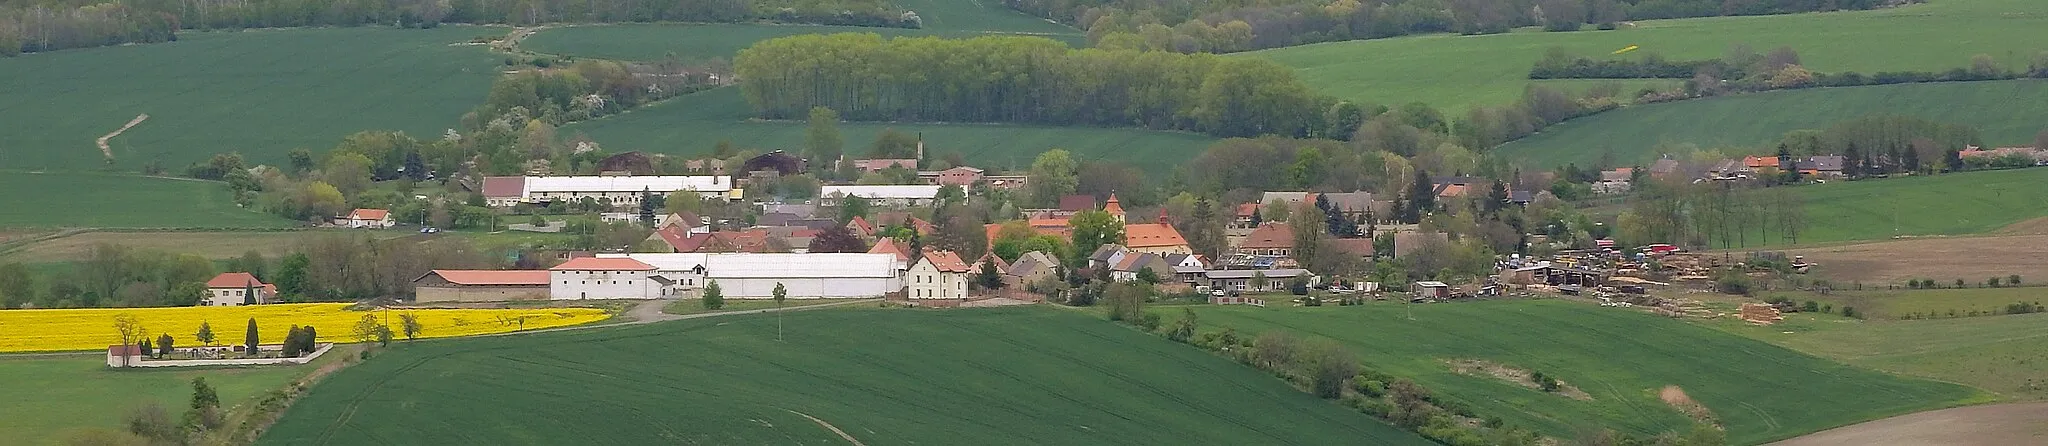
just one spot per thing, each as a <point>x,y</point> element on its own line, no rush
<point>131,330</point>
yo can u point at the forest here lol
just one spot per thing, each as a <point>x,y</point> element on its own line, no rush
<point>1026,80</point>
<point>45,25</point>
<point>1229,26</point>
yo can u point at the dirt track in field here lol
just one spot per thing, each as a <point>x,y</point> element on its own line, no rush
<point>1999,425</point>
<point>1943,259</point>
<point>108,151</point>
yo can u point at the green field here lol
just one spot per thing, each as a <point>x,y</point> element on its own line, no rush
<point>2003,354</point>
<point>1456,72</point>
<point>693,124</point>
<point>2007,113</point>
<point>258,92</point>
<point>51,398</point>
<point>943,18</point>
<point>1953,204</point>
<point>1896,304</point>
<point>78,199</point>
<point>993,376</point>
<point>1621,358</point>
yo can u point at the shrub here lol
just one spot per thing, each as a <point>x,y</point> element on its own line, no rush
<point>1150,321</point>
<point>1330,367</point>
<point>2013,279</point>
<point>1851,312</point>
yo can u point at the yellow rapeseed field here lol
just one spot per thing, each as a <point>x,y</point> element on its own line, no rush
<point>93,328</point>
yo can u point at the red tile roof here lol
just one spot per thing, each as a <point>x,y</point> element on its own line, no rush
<point>889,246</point>
<point>946,261</point>
<point>1152,235</point>
<point>1246,210</point>
<point>603,264</point>
<point>1269,235</point>
<point>369,214</point>
<point>504,187</point>
<point>493,277</point>
<point>1077,203</point>
<point>861,226</point>
<point>233,280</point>
<point>1113,207</point>
<point>124,350</point>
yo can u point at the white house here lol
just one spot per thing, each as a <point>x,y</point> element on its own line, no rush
<point>754,275</point>
<point>230,289</point>
<point>622,191</point>
<point>602,278</point>
<point>893,196</point>
<point>365,218</point>
<point>938,275</point>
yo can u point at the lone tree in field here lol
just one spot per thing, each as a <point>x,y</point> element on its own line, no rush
<point>130,330</point>
<point>205,334</point>
<point>713,297</point>
<point>411,324</point>
<point>250,338</point>
<point>780,293</point>
<point>163,345</point>
<point>366,329</point>
<point>205,413</point>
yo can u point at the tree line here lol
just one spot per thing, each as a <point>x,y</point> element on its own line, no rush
<point>1222,27</point>
<point>39,26</point>
<point>1025,79</point>
<point>327,268</point>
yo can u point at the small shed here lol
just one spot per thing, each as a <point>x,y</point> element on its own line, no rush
<point>1430,289</point>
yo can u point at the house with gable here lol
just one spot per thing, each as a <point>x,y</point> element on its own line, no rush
<point>938,275</point>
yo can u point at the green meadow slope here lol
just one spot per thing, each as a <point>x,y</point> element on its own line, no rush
<point>1620,358</point>
<point>1953,204</point>
<point>2005,112</point>
<point>991,376</point>
<point>1457,72</point>
<point>942,18</point>
<point>2000,353</point>
<point>51,399</point>
<point>693,125</point>
<point>261,92</point>
<point>81,199</point>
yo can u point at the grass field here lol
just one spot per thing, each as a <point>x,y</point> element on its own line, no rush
<point>943,18</point>
<point>2006,113</point>
<point>1620,357</point>
<point>258,92</point>
<point>2003,354</point>
<point>694,306</point>
<point>693,124</point>
<point>991,376</point>
<point>1954,204</point>
<point>79,199</point>
<point>1456,72</point>
<point>1944,258</point>
<point>1876,303</point>
<point>52,398</point>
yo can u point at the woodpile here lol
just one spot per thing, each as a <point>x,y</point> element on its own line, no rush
<point>1761,314</point>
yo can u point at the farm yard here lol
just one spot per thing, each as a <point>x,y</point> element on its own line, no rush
<point>257,92</point>
<point>79,199</point>
<point>52,400</point>
<point>1458,72</point>
<point>1622,360</point>
<point>2002,354</point>
<point>90,328</point>
<point>702,119</point>
<point>2005,112</point>
<point>998,376</point>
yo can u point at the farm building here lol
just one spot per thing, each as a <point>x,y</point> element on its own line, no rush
<point>754,275</point>
<point>452,285</point>
<point>1032,267</point>
<point>1270,239</point>
<point>962,176</point>
<point>938,275</point>
<point>1428,289</point>
<point>602,278</point>
<point>230,289</point>
<point>891,196</point>
<point>622,191</point>
<point>881,164</point>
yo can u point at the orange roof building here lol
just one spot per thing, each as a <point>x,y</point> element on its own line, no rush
<point>468,285</point>
<point>230,289</point>
<point>1114,207</point>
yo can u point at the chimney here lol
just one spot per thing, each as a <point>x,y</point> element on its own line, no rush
<point>920,146</point>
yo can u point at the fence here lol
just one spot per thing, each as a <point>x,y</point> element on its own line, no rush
<point>115,360</point>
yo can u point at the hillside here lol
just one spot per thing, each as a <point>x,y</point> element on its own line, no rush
<point>2005,112</point>
<point>1995,353</point>
<point>260,92</point>
<point>1955,204</point>
<point>1456,72</point>
<point>1621,359</point>
<point>995,376</point>
<point>693,124</point>
<point>77,199</point>
<point>52,398</point>
<point>943,18</point>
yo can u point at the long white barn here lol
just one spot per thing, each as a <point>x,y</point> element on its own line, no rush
<point>754,275</point>
<point>620,190</point>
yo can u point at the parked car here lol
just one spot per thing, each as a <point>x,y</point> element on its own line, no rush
<point>430,230</point>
